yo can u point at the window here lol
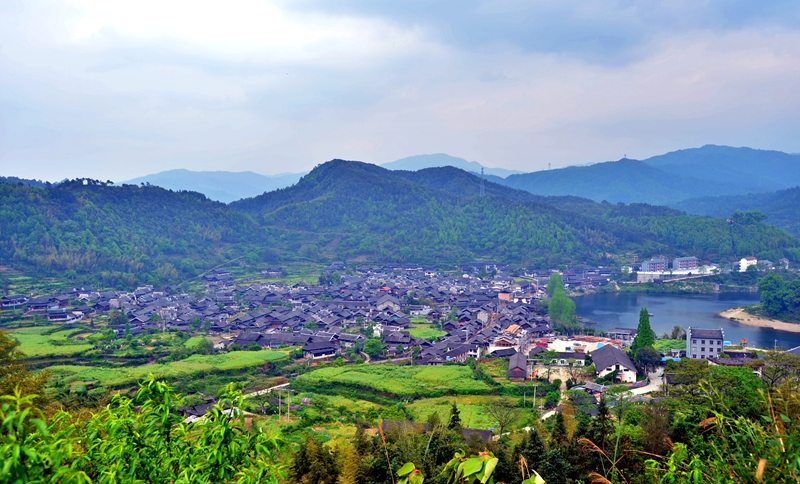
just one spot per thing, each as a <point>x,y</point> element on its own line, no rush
<point>719,342</point>
<point>703,349</point>
<point>702,341</point>
<point>694,341</point>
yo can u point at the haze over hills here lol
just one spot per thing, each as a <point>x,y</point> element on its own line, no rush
<point>781,207</point>
<point>222,186</point>
<point>667,179</point>
<point>419,162</point>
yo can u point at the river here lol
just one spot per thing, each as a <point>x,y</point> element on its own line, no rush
<point>621,310</point>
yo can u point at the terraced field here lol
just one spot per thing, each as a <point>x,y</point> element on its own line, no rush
<point>35,342</point>
<point>193,365</point>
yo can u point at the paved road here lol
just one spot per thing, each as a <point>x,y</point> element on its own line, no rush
<point>655,385</point>
<point>266,390</point>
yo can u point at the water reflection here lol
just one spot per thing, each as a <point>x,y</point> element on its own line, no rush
<point>697,310</point>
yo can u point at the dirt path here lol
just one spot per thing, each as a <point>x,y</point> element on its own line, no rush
<point>743,317</point>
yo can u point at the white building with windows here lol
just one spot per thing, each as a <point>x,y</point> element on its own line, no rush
<point>747,262</point>
<point>704,343</point>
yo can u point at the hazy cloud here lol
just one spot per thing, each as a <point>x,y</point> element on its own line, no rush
<point>113,90</point>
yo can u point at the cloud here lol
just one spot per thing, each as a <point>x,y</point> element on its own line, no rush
<point>110,90</point>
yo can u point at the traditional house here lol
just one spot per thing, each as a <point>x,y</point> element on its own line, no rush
<point>608,359</point>
<point>518,367</point>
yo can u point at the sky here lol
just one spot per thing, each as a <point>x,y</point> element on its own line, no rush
<point>116,90</point>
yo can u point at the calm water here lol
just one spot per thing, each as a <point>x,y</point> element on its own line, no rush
<point>696,310</point>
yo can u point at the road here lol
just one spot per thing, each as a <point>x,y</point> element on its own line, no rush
<point>266,390</point>
<point>655,385</point>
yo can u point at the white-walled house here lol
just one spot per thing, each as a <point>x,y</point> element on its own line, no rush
<point>747,262</point>
<point>608,359</point>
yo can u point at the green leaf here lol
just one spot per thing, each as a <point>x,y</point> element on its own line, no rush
<point>416,478</point>
<point>407,467</point>
<point>472,466</point>
<point>489,469</point>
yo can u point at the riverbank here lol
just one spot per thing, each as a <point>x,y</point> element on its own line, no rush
<point>678,287</point>
<point>741,316</point>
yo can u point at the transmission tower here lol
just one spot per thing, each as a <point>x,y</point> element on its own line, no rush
<point>482,191</point>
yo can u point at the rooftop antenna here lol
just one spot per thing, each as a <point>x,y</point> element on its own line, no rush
<point>548,166</point>
<point>482,190</point>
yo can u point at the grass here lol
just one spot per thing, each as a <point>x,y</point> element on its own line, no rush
<point>194,341</point>
<point>34,342</point>
<point>426,332</point>
<point>399,381</point>
<point>663,345</point>
<point>472,409</point>
<point>193,365</point>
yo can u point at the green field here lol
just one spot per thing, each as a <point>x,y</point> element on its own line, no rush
<point>34,342</point>
<point>194,341</point>
<point>472,409</point>
<point>399,381</point>
<point>664,345</point>
<point>425,332</point>
<point>118,376</point>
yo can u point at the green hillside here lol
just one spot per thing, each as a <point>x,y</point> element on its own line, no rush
<point>342,210</point>
<point>781,207</point>
<point>123,235</point>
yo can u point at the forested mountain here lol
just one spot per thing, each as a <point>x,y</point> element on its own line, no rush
<point>781,207</point>
<point>669,178</point>
<point>23,181</point>
<point>123,235</point>
<point>222,186</point>
<point>748,169</point>
<point>353,211</point>
<point>614,181</point>
<point>357,210</point>
<point>438,160</point>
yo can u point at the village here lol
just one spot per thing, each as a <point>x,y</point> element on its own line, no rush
<point>404,314</point>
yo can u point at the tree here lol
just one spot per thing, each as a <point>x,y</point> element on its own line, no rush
<point>559,437</point>
<point>15,375</point>
<point>313,463</point>
<point>561,308</point>
<point>648,358</point>
<point>780,367</point>
<point>373,347</point>
<point>455,419</point>
<point>547,357</point>
<point>555,284</point>
<point>644,333</point>
<point>555,469</point>
<point>532,449</point>
<point>677,332</point>
<point>502,413</point>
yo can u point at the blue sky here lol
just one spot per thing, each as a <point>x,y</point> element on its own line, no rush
<point>115,90</point>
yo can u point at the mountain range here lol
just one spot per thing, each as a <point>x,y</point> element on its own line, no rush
<point>667,179</point>
<point>420,162</point>
<point>222,186</point>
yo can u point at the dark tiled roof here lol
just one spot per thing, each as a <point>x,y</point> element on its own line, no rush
<point>608,356</point>
<point>706,333</point>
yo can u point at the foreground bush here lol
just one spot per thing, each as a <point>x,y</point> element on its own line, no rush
<point>135,440</point>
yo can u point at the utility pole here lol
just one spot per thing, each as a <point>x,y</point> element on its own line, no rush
<point>482,191</point>
<point>534,396</point>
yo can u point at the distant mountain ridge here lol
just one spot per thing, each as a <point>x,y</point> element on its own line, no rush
<point>782,207</point>
<point>222,186</point>
<point>438,160</point>
<point>667,179</point>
